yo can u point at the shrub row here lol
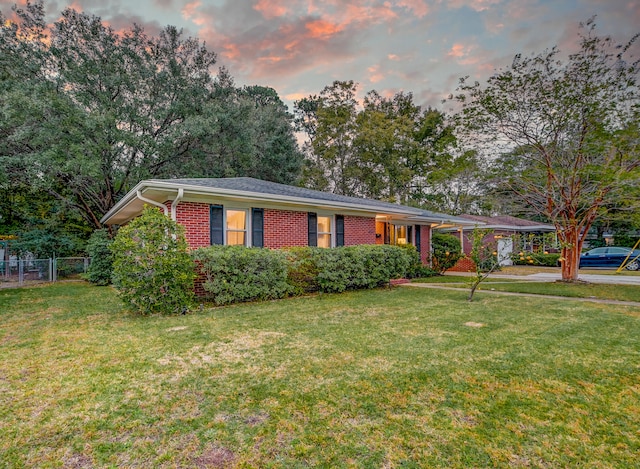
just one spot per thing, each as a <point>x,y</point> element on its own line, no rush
<point>236,273</point>
<point>536,258</point>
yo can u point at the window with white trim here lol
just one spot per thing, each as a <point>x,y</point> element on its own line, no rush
<point>236,227</point>
<point>324,232</point>
<point>229,225</point>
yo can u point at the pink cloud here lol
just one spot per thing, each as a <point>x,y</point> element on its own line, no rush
<point>477,5</point>
<point>296,96</point>
<point>272,8</point>
<point>190,10</point>
<point>459,50</point>
<point>322,29</point>
<point>418,7</point>
<point>375,75</point>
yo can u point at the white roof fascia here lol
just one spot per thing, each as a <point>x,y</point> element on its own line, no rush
<point>513,228</point>
<point>214,191</point>
<point>129,197</point>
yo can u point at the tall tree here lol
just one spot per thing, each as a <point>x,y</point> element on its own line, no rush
<point>329,121</point>
<point>387,152</point>
<point>86,112</point>
<point>573,123</point>
<point>388,148</point>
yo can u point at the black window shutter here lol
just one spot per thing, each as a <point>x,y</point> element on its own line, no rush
<point>257,227</point>
<point>418,239</point>
<point>313,229</point>
<point>339,230</point>
<point>216,220</point>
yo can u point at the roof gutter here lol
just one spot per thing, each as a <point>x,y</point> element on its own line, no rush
<point>175,203</point>
<point>153,202</point>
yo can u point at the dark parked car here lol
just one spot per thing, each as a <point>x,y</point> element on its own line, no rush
<point>610,257</point>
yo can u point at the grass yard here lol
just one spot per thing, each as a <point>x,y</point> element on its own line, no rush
<point>399,377</point>
<point>589,290</point>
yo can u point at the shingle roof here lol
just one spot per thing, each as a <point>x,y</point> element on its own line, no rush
<point>161,190</point>
<point>504,220</point>
<point>258,186</point>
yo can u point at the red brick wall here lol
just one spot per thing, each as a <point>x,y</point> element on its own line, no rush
<point>282,228</point>
<point>285,228</point>
<point>425,244</point>
<point>194,216</point>
<point>463,265</point>
<point>359,230</point>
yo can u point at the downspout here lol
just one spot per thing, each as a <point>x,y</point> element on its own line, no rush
<point>175,203</point>
<point>153,202</point>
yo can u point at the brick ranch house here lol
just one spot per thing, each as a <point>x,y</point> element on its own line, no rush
<point>252,212</point>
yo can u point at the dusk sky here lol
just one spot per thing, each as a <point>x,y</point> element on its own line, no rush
<point>418,46</point>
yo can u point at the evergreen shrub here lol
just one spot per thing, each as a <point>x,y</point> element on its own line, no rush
<point>416,268</point>
<point>101,266</point>
<point>302,269</point>
<point>446,251</point>
<point>237,273</point>
<point>152,270</point>
<point>536,258</point>
<point>362,266</point>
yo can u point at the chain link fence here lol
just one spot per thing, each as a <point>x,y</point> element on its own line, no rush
<point>19,272</point>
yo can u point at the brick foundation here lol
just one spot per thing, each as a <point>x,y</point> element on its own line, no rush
<point>463,265</point>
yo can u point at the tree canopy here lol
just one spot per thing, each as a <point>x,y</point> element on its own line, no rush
<point>386,148</point>
<point>567,131</point>
<point>86,112</point>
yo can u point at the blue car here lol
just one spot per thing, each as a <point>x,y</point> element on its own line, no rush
<point>611,257</point>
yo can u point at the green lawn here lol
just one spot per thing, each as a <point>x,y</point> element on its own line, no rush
<point>399,377</point>
<point>589,290</point>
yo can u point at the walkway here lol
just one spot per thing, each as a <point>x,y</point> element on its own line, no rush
<point>531,295</point>
<point>616,279</point>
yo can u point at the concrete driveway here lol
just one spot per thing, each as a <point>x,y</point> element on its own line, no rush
<point>618,279</point>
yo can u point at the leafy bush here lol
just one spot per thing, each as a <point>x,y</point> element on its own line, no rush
<point>446,251</point>
<point>152,270</point>
<point>101,266</point>
<point>302,270</point>
<point>536,258</point>
<point>237,273</point>
<point>624,240</point>
<point>45,243</point>
<point>363,266</point>
<point>416,269</point>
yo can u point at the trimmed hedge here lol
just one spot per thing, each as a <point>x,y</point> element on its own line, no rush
<point>536,258</point>
<point>362,266</point>
<point>236,273</point>
<point>302,269</point>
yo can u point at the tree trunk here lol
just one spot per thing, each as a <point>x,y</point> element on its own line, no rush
<point>571,255</point>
